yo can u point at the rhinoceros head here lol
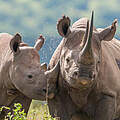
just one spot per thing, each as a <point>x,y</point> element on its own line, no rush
<point>26,72</point>
<point>80,56</point>
<point>90,56</point>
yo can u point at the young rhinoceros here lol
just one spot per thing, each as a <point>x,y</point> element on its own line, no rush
<point>88,84</point>
<point>22,77</point>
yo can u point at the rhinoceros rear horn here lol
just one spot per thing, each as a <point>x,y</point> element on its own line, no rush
<point>39,43</point>
<point>53,73</point>
<point>63,26</point>
<point>15,42</point>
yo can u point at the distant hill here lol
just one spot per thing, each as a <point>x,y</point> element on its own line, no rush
<point>32,17</point>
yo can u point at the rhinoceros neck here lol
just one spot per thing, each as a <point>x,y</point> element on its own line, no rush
<point>6,86</point>
<point>5,61</point>
<point>56,55</point>
<point>7,90</point>
<point>108,77</point>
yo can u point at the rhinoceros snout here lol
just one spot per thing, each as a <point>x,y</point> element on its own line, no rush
<point>88,73</point>
<point>75,74</point>
<point>81,73</point>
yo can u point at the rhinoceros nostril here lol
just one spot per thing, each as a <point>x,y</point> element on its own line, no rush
<point>44,90</point>
<point>30,76</point>
<point>91,74</point>
<point>75,73</point>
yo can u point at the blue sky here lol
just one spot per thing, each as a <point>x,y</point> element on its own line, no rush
<point>40,16</point>
<point>34,17</point>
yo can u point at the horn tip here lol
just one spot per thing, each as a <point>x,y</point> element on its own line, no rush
<point>92,12</point>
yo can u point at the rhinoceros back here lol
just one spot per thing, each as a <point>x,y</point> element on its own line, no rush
<point>4,45</point>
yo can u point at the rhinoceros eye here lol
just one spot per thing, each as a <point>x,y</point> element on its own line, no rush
<point>30,76</point>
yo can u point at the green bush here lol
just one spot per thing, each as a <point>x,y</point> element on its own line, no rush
<point>40,112</point>
<point>16,114</point>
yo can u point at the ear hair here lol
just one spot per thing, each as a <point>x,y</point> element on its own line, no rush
<point>15,42</point>
<point>63,26</point>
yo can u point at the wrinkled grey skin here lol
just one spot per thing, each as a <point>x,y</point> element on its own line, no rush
<point>22,77</point>
<point>88,84</point>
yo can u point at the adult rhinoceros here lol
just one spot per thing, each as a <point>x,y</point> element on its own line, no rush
<point>88,86</point>
<point>22,77</point>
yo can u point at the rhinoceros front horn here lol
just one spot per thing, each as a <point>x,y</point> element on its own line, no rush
<point>86,55</point>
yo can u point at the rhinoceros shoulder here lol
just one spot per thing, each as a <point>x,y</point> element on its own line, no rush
<point>5,39</point>
<point>5,35</point>
<point>56,55</point>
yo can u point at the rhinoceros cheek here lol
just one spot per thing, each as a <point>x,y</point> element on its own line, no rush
<point>70,80</point>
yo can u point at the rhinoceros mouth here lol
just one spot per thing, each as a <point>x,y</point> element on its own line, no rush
<point>86,80</point>
<point>76,83</point>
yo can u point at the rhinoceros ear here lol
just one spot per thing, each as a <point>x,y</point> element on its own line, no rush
<point>15,42</point>
<point>108,33</point>
<point>39,43</point>
<point>63,26</point>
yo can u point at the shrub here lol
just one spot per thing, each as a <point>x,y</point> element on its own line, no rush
<point>19,114</point>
